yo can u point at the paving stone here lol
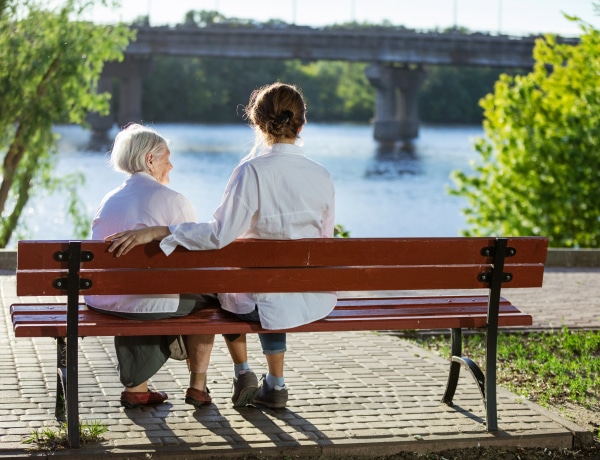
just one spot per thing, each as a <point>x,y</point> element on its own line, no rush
<point>380,391</point>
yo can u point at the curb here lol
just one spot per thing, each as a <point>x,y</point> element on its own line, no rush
<point>581,436</point>
<point>562,257</point>
<point>8,259</point>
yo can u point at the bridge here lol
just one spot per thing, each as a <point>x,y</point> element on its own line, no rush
<point>397,56</point>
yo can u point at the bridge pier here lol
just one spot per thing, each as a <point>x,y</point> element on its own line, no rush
<point>129,90</point>
<point>396,104</point>
<point>101,124</point>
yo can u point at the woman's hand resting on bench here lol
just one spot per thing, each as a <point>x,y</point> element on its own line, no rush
<point>123,242</point>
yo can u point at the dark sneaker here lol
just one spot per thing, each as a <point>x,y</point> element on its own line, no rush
<point>275,398</point>
<point>245,388</point>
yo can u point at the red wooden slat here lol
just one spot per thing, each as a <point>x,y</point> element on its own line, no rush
<point>348,314</point>
<point>38,255</point>
<point>358,311</point>
<point>305,252</point>
<point>231,327</point>
<point>40,308</point>
<point>279,279</point>
<point>214,322</point>
<point>415,301</point>
<point>342,303</point>
<point>30,321</point>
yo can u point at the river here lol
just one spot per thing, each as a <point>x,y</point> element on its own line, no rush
<point>377,195</point>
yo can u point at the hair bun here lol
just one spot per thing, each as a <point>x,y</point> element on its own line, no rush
<point>284,117</point>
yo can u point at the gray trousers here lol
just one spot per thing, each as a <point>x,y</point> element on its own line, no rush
<point>140,357</point>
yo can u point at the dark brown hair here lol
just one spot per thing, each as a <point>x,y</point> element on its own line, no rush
<point>277,110</point>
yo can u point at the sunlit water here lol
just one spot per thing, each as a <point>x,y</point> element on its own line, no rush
<point>377,195</point>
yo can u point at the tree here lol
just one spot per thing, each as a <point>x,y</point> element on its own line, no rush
<point>202,18</point>
<point>539,172</point>
<point>450,94</point>
<point>334,90</point>
<point>50,63</point>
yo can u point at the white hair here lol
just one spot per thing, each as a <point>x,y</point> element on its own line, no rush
<point>131,146</point>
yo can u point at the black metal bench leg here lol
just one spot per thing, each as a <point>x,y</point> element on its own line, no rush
<point>456,362</point>
<point>491,405</point>
<point>456,350</point>
<point>487,382</point>
<point>72,394</point>
<point>72,390</point>
<point>60,411</point>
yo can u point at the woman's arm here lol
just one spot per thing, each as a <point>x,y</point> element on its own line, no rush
<point>123,242</point>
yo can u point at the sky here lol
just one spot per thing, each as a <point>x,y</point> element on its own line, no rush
<point>509,17</point>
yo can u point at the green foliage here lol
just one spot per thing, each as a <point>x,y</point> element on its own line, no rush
<point>47,439</point>
<point>204,90</point>
<point>339,231</point>
<point>50,62</point>
<point>451,94</point>
<point>203,18</point>
<point>334,90</point>
<point>540,163</point>
<point>212,89</point>
<point>547,367</point>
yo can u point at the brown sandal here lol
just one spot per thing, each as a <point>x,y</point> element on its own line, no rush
<point>132,399</point>
<point>197,398</point>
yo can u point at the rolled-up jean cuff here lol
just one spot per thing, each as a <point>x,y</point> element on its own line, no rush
<point>273,343</point>
<point>274,352</point>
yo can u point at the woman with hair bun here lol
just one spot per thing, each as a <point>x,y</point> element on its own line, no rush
<point>275,192</point>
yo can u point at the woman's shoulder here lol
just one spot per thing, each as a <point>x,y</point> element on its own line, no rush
<point>173,203</point>
<point>171,195</point>
<point>157,192</point>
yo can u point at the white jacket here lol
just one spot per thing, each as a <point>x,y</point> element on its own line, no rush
<point>280,194</point>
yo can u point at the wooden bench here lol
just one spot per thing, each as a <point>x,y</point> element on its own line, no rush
<point>72,268</point>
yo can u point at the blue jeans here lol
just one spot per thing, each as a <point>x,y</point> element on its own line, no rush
<point>272,343</point>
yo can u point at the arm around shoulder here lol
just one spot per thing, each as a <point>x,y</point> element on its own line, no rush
<point>123,242</point>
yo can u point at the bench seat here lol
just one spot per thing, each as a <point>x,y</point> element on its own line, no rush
<point>357,314</point>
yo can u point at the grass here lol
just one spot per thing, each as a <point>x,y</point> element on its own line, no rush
<point>547,367</point>
<point>50,439</point>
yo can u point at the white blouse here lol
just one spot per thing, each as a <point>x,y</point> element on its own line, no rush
<point>139,202</point>
<point>280,194</point>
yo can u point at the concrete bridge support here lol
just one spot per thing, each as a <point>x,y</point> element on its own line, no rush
<point>396,104</point>
<point>101,124</point>
<point>128,76</point>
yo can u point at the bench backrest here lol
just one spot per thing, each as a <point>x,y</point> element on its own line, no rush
<point>337,264</point>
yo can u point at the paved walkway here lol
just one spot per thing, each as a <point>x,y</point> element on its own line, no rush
<point>350,393</point>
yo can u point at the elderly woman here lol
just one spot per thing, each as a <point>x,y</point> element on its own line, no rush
<point>274,193</point>
<point>144,200</point>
